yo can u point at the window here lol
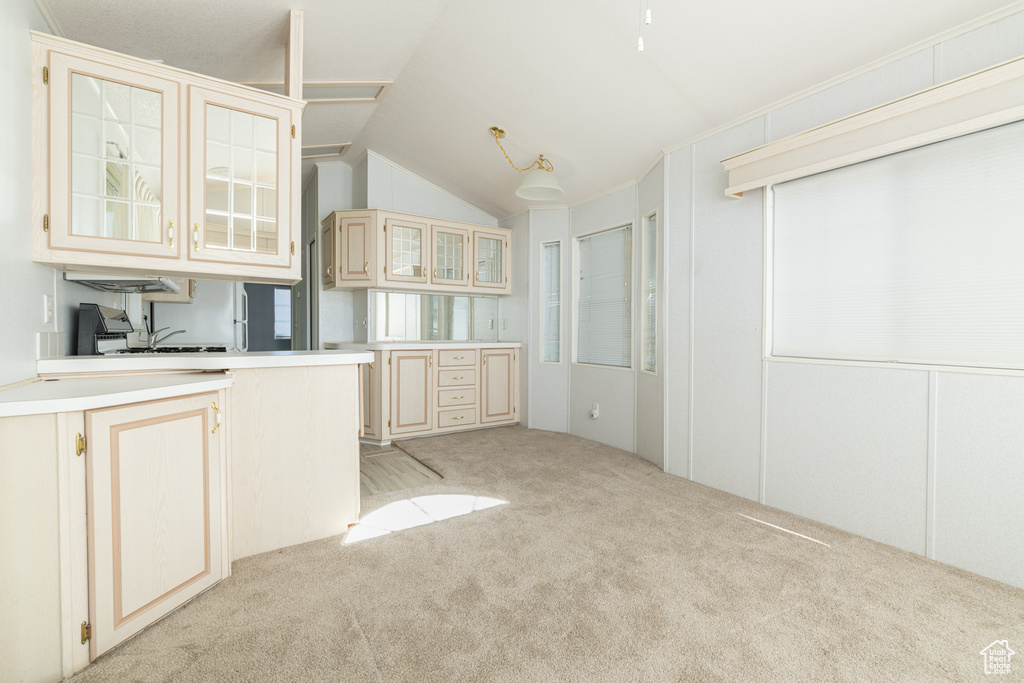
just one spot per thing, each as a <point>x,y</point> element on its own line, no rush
<point>603,327</point>
<point>282,313</point>
<point>650,283</point>
<point>913,258</point>
<point>551,302</point>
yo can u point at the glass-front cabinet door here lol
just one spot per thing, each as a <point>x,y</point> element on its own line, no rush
<point>449,255</point>
<point>113,143</point>
<point>490,255</point>
<point>404,258</point>
<point>239,193</point>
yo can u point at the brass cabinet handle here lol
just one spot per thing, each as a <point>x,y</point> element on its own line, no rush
<point>485,359</point>
<point>217,410</point>
<point>459,417</point>
<point>435,273</point>
<point>459,377</point>
<point>456,398</point>
<point>170,234</point>
<point>430,360</point>
<point>79,444</point>
<point>293,248</point>
<point>458,357</point>
<point>330,272</point>
<point>195,237</point>
<point>366,268</point>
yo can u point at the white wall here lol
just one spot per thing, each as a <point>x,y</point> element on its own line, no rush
<point>613,389</point>
<point>650,388</point>
<point>334,184</point>
<point>389,186</point>
<point>549,382</point>
<point>926,461</point>
<point>514,320</point>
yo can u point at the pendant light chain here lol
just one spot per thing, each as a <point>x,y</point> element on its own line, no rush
<point>540,163</point>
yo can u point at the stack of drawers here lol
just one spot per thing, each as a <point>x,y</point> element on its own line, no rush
<point>456,384</point>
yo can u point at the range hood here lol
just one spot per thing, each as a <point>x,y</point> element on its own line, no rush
<point>127,284</point>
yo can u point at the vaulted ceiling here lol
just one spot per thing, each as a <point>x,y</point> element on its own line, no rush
<point>563,77</point>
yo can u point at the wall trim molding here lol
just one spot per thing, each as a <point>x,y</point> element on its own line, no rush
<point>927,43</point>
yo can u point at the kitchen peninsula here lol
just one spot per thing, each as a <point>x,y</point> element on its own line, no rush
<point>191,460</point>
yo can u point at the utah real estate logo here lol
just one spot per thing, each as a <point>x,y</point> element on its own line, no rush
<point>997,657</point>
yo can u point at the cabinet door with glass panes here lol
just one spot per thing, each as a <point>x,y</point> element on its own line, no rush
<point>449,255</point>
<point>406,245</point>
<point>239,190</point>
<point>113,142</point>
<point>491,261</point>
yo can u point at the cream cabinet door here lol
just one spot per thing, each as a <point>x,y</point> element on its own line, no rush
<point>449,251</point>
<point>411,390</point>
<point>369,404</point>
<point>357,247</point>
<point>155,505</point>
<point>498,385</point>
<point>491,261</point>
<point>328,262</point>
<point>405,251</point>
<point>113,145</point>
<point>240,171</point>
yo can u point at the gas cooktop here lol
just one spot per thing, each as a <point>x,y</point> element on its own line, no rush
<point>174,349</point>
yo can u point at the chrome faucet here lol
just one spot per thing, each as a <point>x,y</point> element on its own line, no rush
<point>153,341</point>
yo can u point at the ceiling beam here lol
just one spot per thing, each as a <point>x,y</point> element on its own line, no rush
<point>293,56</point>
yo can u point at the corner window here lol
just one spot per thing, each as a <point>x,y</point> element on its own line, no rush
<point>551,302</point>
<point>649,332</point>
<point>603,314</point>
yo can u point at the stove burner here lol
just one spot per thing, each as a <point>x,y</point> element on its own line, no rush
<point>174,349</point>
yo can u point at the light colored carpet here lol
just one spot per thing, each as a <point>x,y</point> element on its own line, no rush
<point>599,568</point>
<point>384,469</point>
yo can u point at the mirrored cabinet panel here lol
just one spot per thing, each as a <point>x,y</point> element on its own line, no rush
<point>113,159</point>
<point>405,316</point>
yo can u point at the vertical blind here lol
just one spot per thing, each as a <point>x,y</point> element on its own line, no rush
<point>916,257</point>
<point>650,310</point>
<point>603,332</point>
<point>551,302</point>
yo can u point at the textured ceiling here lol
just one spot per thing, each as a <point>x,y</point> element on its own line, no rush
<point>563,77</point>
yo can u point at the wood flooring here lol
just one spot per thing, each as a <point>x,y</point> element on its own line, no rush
<point>383,469</point>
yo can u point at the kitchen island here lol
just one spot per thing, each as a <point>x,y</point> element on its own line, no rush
<point>184,462</point>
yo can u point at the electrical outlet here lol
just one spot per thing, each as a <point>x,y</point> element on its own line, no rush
<point>47,309</point>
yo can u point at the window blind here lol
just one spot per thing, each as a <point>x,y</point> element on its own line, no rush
<point>916,257</point>
<point>650,311</point>
<point>551,302</point>
<point>603,309</point>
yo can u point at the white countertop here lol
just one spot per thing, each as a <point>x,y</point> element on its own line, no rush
<point>401,346</point>
<point>88,393</point>
<point>199,361</point>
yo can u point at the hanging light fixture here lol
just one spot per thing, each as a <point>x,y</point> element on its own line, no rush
<point>539,183</point>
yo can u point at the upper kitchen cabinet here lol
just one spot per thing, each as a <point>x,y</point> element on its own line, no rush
<point>491,261</point>
<point>144,169</point>
<point>376,248</point>
<point>238,181</point>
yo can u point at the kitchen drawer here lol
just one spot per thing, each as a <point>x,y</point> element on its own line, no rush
<point>461,417</point>
<point>456,357</point>
<point>456,397</point>
<point>456,378</point>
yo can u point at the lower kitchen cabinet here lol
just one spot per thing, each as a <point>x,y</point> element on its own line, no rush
<point>498,385</point>
<point>415,392</point>
<point>411,389</point>
<point>157,524</point>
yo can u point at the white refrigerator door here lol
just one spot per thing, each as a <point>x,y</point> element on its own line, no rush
<point>208,320</point>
